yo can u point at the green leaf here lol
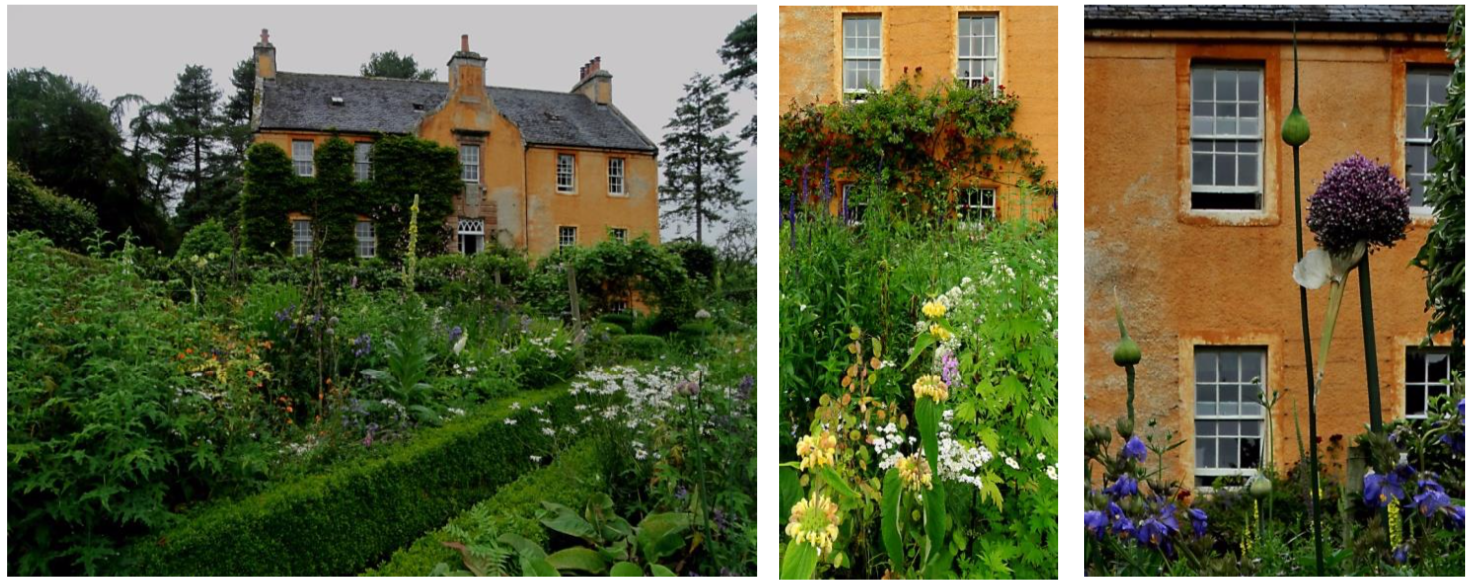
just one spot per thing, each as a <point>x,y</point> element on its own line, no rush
<point>892,539</point>
<point>564,520</point>
<point>790,490</point>
<point>663,571</point>
<point>661,534</point>
<point>625,569</point>
<point>836,482</point>
<point>800,561</point>
<point>578,558</point>
<point>920,346</point>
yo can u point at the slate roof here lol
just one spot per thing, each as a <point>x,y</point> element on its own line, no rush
<point>371,105</point>
<point>1258,16</point>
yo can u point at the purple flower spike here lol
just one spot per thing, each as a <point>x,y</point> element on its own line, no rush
<point>1198,521</point>
<point>1359,201</point>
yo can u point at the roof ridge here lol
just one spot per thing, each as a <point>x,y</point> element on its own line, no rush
<point>414,81</point>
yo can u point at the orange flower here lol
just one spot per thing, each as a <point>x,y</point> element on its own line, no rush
<point>189,350</point>
<point>250,373</point>
<point>289,408</point>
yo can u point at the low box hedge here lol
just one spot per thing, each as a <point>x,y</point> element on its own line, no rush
<point>338,523</point>
<point>569,481</point>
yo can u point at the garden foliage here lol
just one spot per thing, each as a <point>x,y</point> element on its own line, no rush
<point>68,222</point>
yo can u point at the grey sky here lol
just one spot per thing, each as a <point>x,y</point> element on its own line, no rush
<point>650,50</point>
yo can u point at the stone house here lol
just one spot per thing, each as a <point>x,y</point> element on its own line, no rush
<point>542,169</point>
<point>1190,216</point>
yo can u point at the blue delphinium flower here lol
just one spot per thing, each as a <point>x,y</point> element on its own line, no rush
<point>1458,513</point>
<point>1198,521</point>
<point>1134,448</point>
<point>1167,517</point>
<point>1401,554</point>
<point>1151,532</point>
<point>1430,499</point>
<point>455,334</point>
<point>1124,487</point>
<point>1096,521</point>
<point>681,494</point>
<point>1382,489</point>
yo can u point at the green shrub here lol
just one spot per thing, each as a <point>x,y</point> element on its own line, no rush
<point>339,522</point>
<point>641,346</point>
<point>104,429</point>
<point>270,191</point>
<point>66,221</point>
<point>607,329</point>
<point>208,238</point>
<point>512,510</point>
<point>699,260</point>
<point>622,319</point>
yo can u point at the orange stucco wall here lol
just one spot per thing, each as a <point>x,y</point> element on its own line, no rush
<point>1189,277</point>
<point>519,205</point>
<point>591,208</point>
<point>924,38</point>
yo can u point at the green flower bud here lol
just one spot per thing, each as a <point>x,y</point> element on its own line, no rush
<point>1127,352</point>
<point>1260,487</point>
<point>1101,433</point>
<point>1296,128</point>
<point>1126,427</point>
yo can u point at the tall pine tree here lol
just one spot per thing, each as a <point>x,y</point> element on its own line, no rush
<point>738,52</point>
<point>700,166</point>
<point>391,65</point>
<point>194,133</point>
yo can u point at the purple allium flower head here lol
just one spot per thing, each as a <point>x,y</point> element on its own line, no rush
<point>1135,449</point>
<point>1382,489</point>
<point>1359,201</point>
<point>1198,521</point>
<point>1125,486</point>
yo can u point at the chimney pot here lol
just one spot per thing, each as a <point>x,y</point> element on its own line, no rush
<point>264,37</point>
<point>464,44</point>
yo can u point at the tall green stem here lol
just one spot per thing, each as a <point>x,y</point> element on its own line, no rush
<point>1367,325</point>
<point>1303,302</point>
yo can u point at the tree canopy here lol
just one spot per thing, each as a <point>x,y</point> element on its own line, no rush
<point>700,166</point>
<point>391,65</point>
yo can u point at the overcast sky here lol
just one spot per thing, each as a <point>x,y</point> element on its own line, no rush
<point>649,51</point>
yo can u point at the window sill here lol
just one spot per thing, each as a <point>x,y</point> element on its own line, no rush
<point>569,193</point>
<point>621,195</point>
<point>1229,217</point>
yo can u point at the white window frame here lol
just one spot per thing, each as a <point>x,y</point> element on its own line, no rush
<point>471,158</point>
<point>564,175</point>
<point>856,210</point>
<point>976,212</point>
<point>362,162</point>
<point>619,235</point>
<point>364,237</point>
<point>863,56</point>
<point>1428,383</point>
<point>573,239</point>
<point>1220,414</point>
<point>303,157</point>
<point>302,237</point>
<point>621,304</point>
<point>1423,143</point>
<point>616,176</point>
<point>1240,136</point>
<point>978,32</point>
<point>471,230</point>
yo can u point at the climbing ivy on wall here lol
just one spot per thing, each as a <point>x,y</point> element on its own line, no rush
<point>268,195</point>
<point>1442,256</point>
<point>921,143</point>
<point>336,202</point>
<point>404,167</point>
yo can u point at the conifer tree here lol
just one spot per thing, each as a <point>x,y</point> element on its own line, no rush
<point>700,167</point>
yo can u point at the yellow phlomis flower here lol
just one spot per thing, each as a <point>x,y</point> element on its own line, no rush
<point>932,387</point>
<point>934,309</point>
<point>817,450</point>
<point>939,332</point>
<point>915,473</point>
<point>814,521</point>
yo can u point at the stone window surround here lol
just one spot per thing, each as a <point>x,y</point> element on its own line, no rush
<point>1268,58</point>
<point>1182,418</point>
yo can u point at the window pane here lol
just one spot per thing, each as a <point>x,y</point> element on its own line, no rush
<point>1436,367</point>
<point>1226,174</point>
<point>1415,116</point>
<point>1246,171</point>
<point>1227,367</point>
<point>1201,84</point>
<point>1251,453</point>
<point>1205,429</point>
<point>1434,391</point>
<point>1247,86</point>
<point>1415,365</point>
<point>1228,404</point>
<point>1205,366</point>
<point>1437,88</point>
<point>1205,452</point>
<point>1416,88</point>
<point>1226,453</point>
<point>1226,85</point>
<point>1227,429</point>
<point>1203,125</point>
<point>1249,400</point>
<point>1414,399</point>
<point>1200,175</point>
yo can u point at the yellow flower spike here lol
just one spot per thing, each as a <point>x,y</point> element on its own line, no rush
<point>932,387</point>
<point>1393,515</point>
<point>934,309</point>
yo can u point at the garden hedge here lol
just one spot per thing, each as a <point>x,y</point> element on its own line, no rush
<point>340,522</point>
<point>569,481</point>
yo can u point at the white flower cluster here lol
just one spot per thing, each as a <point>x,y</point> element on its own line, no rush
<point>635,400</point>
<point>957,461</point>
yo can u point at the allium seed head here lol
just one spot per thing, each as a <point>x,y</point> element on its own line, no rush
<point>1357,201</point>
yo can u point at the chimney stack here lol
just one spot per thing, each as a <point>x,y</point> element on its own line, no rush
<point>595,82</point>
<point>266,57</point>
<point>467,74</point>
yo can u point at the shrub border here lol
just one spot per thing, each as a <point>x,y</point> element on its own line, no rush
<point>338,523</point>
<point>569,480</point>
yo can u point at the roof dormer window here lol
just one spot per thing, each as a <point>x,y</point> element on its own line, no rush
<point>336,101</point>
